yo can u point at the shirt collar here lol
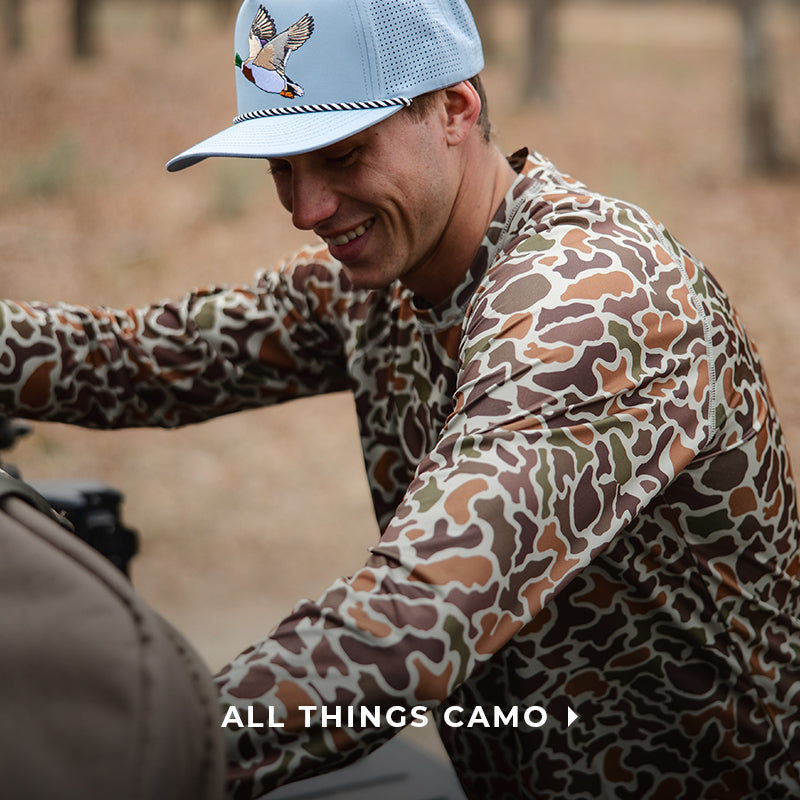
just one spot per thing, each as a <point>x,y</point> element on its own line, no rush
<point>531,170</point>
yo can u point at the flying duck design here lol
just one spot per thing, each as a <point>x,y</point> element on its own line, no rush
<point>269,52</point>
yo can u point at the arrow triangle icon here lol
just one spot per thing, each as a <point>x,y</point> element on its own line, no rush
<point>571,716</point>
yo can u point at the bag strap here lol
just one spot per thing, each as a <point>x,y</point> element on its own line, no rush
<point>14,487</point>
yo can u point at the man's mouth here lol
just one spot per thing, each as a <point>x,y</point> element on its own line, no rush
<point>349,236</point>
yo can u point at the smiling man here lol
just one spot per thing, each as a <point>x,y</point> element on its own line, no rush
<point>584,496</point>
<point>382,217</point>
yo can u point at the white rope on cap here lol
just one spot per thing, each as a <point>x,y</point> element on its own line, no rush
<point>365,105</point>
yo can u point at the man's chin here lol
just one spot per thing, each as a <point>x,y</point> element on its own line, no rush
<point>364,279</point>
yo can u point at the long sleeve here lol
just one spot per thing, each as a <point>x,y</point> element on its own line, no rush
<point>214,351</point>
<point>582,391</point>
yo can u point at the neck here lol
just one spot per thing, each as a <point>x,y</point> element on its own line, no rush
<point>486,177</point>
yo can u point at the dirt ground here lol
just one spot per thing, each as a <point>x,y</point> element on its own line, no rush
<point>241,516</point>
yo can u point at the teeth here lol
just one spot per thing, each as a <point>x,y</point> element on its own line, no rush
<point>339,241</point>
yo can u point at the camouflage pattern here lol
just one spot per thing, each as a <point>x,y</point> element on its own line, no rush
<point>582,485</point>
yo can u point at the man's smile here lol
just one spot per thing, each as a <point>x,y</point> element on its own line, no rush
<point>344,238</point>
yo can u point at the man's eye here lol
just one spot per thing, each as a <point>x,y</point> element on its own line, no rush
<point>278,167</point>
<point>345,159</point>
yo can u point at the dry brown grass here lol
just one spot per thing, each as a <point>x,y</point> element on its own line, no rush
<point>241,516</point>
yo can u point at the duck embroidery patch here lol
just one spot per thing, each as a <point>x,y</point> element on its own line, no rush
<point>265,66</point>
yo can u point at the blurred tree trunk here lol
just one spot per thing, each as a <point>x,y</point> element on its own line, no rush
<point>225,9</point>
<point>761,151</point>
<point>170,11</point>
<point>12,22</point>
<point>84,14</point>
<point>539,78</point>
<point>481,13</point>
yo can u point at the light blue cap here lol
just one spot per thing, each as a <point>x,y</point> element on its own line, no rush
<point>313,72</point>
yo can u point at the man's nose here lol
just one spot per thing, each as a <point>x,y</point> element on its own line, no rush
<point>313,200</point>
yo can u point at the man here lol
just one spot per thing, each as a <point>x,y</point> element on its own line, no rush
<point>584,494</point>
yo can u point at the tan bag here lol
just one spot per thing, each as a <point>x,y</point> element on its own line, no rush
<point>100,697</point>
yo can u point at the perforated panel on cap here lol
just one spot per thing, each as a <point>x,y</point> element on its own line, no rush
<point>361,63</point>
<point>417,45</point>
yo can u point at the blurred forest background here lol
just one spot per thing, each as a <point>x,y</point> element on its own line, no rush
<point>689,107</point>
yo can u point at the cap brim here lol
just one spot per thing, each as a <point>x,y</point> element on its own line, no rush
<point>285,135</point>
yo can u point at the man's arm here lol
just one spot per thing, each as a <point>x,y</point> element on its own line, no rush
<point>212,352</point>
<point>569,419</point>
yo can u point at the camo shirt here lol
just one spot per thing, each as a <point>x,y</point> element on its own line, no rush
<point>582,486</point>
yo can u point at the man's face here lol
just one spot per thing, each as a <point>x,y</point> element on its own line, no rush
<point>381,200</point>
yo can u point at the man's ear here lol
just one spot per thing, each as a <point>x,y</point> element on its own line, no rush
<point>462,107</point>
